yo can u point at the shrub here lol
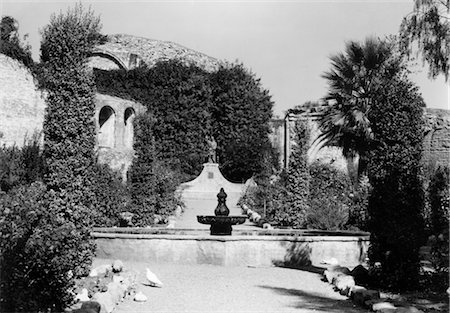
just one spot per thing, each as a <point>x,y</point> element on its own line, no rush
<point>111,197</point>
<point>20,166</point>
<point>396,200</point>
<point>39,252</point>
<point>294,201</point>
<point>285,198</point>
<point>439,199</point>
<point>329,199</point>
<point>152,185</point>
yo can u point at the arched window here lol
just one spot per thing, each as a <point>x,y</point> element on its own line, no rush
<point>106,121</point>
<point>128,135</point>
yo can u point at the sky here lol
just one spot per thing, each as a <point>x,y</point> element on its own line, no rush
<point>287,44</point>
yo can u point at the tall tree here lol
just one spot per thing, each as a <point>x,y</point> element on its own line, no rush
<point>353,81</point>
<point>69,129</point>
<point>397,197</point>
<point>428,26</point>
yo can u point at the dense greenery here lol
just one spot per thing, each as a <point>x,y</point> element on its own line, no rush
<point>152,185</point>
<point>10,43</point>
<point>428,26</point>
<point>21,166</point>
<point>329,202</point>
<point>294,203</point>
<point>180,99</point>
<point>439,198</point>
<point>46,229</point>
<point>397,196</point>
<point>240,120</point>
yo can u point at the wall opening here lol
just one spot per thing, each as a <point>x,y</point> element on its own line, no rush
<point>128,135</point>
<point>106,121</point>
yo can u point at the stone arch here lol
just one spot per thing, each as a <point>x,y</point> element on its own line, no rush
<point>106,122</point>
<point>108,55</point>
<point>128,135</point>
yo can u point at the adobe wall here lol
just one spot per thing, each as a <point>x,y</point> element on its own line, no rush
<point>22,105</point>
<point>437,138</point>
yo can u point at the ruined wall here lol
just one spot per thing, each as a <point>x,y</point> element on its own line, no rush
<point>437,138</point>
<point>114,124</point>
<point>22,106</point>
<point>131,51</point>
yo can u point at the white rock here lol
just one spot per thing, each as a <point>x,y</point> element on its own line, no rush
<point>118,279</point>
<point>140,297</point>
<point>152,279</point>
<point>117,266</point>
<point>100,270</point>
<point>330,261</point>
<point>83,295</point>
<point>267,226</point>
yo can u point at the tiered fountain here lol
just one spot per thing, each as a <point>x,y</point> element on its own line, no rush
<point>221,223</point>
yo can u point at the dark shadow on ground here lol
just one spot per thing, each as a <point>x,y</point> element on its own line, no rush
<point>316,302</point>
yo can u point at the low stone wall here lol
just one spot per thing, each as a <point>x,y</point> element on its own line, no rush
<point>236,250</point>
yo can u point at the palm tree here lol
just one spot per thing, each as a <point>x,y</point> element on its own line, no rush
<point>352,80</point>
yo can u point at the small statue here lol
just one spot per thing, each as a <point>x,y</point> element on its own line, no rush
<point>212,146</point>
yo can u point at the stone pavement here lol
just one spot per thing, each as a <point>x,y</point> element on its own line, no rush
<point>209,288</point>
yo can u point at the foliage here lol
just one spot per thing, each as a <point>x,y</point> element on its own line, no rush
<point>111,197</point>
<point>397,195</point>
<point>329,201</point>
<point>180,102</point>
<point>240,119</point>
<point>439,197</point>
<point>69,132</point>
<point>10,43</point>
<point>39,249</point>
<point>428,26</point>
<point>295,202</point>
<point>152,185</point>
<point>20,166</point>
<point>353,82</point>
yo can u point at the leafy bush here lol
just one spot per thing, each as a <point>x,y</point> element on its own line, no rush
<point>20,166</point>
<point>329,200</point>
<point>397,197</point>
<point>111,197</point>
<point>439,198</point>
<point>152,185</point>
<point>39,252</point>
<point>295,194</point>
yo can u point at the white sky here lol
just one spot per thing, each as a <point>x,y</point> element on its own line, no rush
<point>285,43</point>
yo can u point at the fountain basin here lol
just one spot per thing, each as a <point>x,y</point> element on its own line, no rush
<point>247,247</point>
<point>221,225</point>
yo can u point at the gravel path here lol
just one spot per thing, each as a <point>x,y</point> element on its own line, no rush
<point>209,288</point>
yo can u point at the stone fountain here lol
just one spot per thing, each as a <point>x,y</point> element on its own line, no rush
<point>221,223</point>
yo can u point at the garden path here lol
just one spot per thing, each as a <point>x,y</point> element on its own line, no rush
<point>209,288</point>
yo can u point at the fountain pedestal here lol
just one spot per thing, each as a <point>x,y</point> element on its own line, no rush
<point>221,223</point>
